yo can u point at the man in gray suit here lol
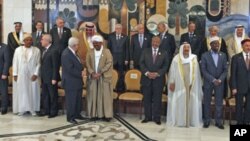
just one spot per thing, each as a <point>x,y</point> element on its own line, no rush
<point>214,69</point>
<point>4,70</point>
<point>72,72</point>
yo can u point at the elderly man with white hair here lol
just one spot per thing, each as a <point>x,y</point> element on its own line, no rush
<point>99,64</point>
<point>72,82</point>
<point>185,90</point>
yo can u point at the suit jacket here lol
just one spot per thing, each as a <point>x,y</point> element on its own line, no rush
<point>240,76</point>
<point>136,49</point>
<point>4,60</point>
<point>204,47</point>
<point>119,48</point>
<point>71,71</point>
<point>195,43</point>
<point>50,65</point>
<point>210,71</point>
<point>168,44</point>
<point>105,65</point>
<point>37,40</point>
<point>62,43</point>
<point>160,66</point>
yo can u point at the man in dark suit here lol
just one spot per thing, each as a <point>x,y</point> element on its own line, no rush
<point>167,40</point>
<point>139,42</point>
<point>37,35</point>
<point>191,38</point>
<point>49,76</point>
<point>72,82</point>
<point>118,45</point>
<point>154,65</point>
<point>4,70</point>
<point>60,35</point>
<point>240,82</point>
<point>214,69</point>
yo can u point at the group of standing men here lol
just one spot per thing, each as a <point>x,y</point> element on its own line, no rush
<point>153,55</point>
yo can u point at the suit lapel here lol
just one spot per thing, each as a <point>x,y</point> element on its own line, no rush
<point>243,61</point>
<point>73,55</point>
<point>219,59</point>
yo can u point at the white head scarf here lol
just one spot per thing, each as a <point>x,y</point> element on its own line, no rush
<point>190,56</point>
<point>239,39</point>
<point>187,60</point>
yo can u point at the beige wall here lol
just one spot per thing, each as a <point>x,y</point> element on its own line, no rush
<point>16,10</point>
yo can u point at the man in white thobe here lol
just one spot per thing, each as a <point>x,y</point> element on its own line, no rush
<point>185,90</point>
<point>26,90</point>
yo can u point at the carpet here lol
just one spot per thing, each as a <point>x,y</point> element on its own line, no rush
<point>117,129</point>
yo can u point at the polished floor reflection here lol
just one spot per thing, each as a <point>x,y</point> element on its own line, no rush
<point>126,128</point>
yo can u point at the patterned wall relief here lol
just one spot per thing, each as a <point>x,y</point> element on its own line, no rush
<point>176,13</point>
<point>227,14</point>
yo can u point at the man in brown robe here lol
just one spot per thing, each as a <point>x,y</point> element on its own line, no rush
<point>99,64</point>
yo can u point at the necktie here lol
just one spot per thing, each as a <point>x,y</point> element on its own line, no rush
<point>247,61</point>
<point>60,33</point>
<point>162,36</point>
<point>141,40</point>
<point>117,36</point>
<point>38,35</point>
<point>154,55</point>
<point>191,37</point>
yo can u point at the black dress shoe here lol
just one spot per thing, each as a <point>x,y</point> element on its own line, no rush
<point>73,121</point>
<point>81,118</point>
<point>206,125</point>
<point>158,122</point>
<point>41,114</point>
<point>220,126</point>
<point>52,116</point>
<point>107,119</point>
<point>3,112</point>
<point>146,120</point>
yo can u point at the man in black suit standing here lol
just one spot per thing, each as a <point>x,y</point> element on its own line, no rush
<point>139,42</point>
<point>4,71</point>
<point>191,38</point>
<point>37,35</point>
<point>240,81</point>
<point>60,35</point>
<point>167,40</point>
<point>49,76</point>
<point>118,45</point>
<point>72,82</point>
<point>154,64</point>
<point>214,69</point>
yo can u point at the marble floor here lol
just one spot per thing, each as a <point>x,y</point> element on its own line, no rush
<point>127,127</point>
